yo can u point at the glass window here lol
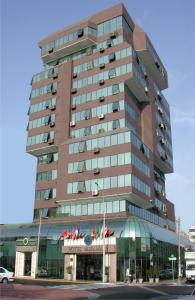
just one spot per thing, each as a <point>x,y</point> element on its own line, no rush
<point>96,208</point>
<point>81,187</point>
<point>122,205</point>
<point>116,206</point>
<point>107,183</point>
<point>78,209</point>
<point>128,180</point>
<point>113,182</point>
<point>115,89</point>
<point>113,160</point>
<point>121,159</point>
<point>121,138</point>
<point>109,206</point>
<point>115,124</point>
<point>115,106</point>
<point>73,210</point>
<point>84,209</point>
<point>90,208</point>
<point>121,181</point>
<point>107,141</point>
<point>127,158</point>
<point>112,73</point>
<point>113,139</point>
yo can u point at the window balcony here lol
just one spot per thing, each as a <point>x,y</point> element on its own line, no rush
<point>163,161</point>
<point>150,58</point>
<point>82,40</point>
<point>137,85</point>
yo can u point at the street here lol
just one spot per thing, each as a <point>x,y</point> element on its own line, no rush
<point>60,291</point>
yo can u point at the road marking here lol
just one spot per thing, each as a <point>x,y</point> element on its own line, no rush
<point>153,290</point>
<point>88,286</point>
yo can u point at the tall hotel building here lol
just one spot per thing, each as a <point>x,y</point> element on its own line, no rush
<point>99,128</point>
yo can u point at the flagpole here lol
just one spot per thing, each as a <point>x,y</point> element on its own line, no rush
<point>103,248</point>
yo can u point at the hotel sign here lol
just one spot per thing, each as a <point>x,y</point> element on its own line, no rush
<point>190,255</point>
<point>88,249</point>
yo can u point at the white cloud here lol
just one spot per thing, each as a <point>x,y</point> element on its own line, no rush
<point>176,78</point>
<point>141,19</point>
<point>181,116</point>
<point>182,182</point>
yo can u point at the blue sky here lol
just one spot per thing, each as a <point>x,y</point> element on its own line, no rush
<point>170,26</point>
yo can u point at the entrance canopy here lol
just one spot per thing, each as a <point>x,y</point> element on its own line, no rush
<point>131,227</point>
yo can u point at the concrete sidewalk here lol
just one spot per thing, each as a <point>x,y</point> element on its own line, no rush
<point>32,292</point>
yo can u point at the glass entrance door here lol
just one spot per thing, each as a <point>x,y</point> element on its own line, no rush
<point>27,263</point>
<point>89,267</point>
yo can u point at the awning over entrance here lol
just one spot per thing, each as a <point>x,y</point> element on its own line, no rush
<point>131,227</point>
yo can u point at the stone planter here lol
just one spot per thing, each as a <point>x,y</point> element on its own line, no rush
<point>134,281</point>
<point>69,277</point>
<point>151,280</point>
<point>157,280</point>
<point>140,280</point>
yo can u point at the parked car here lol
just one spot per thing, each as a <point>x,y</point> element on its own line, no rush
<point>6,276</point>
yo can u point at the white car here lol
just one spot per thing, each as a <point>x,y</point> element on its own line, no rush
<point>6,276</point>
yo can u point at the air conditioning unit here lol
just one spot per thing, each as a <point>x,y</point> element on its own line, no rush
<point>54,91</point>
<point>160,110</point>
<point>164,208</point>
<point>52,124</point>
<point>159,95</point>
<point>156,175</point>
<point>161,125</point>
<point>74,75</point>
<point>101,130</point>
<point>96,150</point>
<point>145,74</point>
<point>101,50</point>
<point>95,193</point>
<point>113,34</point>
<point>73,91</point>
<point>163,141</point>
<point>101,98</point>
<point>101,116</point>
<point>163,156</point>
<point>50,50</point>
<point>96,171</point>
<point>73,106</point>
<point>55,75</point>
<point>102,66</point>
<point>72,124</point>
<point>50,141</point>
<point>52,107</point>
<point>157,64</point>
<point>101,82</point>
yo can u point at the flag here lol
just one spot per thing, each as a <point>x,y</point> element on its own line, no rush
<point>98,233</point>
<point>63,234</point>
<point>103,230</point>
<point>75,233</point>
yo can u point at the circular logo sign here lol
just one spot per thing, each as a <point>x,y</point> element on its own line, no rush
<point>88,240</point>
<point>25,241</point>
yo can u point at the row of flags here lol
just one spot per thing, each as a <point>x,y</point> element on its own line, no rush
<point>96,233</point>
<point>77,234</point>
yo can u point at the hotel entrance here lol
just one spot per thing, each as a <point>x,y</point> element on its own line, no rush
<point>89,267</point>
<point>27,263</point>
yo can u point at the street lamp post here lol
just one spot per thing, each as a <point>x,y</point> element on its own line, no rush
<point>179,249</point>
<point>104,221</point>
<point>38,242</point>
